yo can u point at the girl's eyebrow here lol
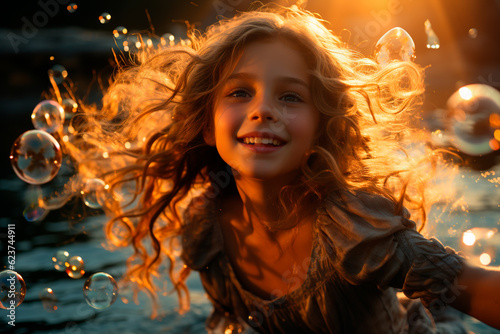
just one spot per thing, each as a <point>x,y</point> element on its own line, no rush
<point>283,79</point>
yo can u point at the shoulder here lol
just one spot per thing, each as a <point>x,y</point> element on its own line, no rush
<point>360,210</point>
<point>358,233</point>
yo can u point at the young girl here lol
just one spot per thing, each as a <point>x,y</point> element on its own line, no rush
<point>276,157</point>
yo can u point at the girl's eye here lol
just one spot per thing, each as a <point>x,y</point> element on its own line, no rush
<point>238,92</point>
<point>291,97</point>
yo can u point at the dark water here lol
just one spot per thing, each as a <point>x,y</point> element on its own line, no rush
<point>36,243</point>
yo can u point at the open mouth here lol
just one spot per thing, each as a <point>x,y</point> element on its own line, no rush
<point>261,141</point>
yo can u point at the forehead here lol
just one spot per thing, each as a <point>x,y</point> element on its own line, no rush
<point>274,56</point>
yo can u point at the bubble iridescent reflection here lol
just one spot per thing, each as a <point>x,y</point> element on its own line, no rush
<point>34,213</point>
<point>76,267</point>
<point>36,157</point>
<point>60,260</point>
<point>396,44</point>
<point>471,119</point>
<point>48,116</point>
<point>12,289</point>
<point>49,299</point>
<point>100,290</point>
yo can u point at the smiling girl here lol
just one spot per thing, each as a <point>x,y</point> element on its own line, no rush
<point>273,153</point>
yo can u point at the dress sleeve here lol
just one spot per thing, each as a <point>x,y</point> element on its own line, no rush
<point>200,241</point>
<point>367,241</point>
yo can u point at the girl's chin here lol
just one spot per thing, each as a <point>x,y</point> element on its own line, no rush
<point>267,175</point>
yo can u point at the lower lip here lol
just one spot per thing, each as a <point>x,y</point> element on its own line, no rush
<point>262,148</point>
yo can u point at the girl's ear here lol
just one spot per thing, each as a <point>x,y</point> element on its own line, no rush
<point>209,136</point>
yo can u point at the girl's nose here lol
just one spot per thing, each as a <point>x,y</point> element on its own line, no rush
<point>263,110</point>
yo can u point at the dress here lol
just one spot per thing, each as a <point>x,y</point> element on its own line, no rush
<point>362,254</point>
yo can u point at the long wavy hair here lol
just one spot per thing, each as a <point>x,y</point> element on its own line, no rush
<point>146,141</point>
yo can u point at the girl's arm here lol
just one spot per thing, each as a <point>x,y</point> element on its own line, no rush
<point>478,294</point>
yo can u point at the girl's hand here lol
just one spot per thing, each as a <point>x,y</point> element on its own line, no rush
<point>479,294</point>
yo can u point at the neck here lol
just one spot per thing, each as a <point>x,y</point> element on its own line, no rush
<point>260,202</point>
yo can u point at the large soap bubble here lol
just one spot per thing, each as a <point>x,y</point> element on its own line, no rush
<point>396,44</point>
<point>12,289</point>
<point>472,111</point>
<point>100,290</point>
<point>48,116</point>
<point>36,157</point>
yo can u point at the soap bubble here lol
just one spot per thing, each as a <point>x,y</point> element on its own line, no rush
<point>472,111</point>
<point>36,157</point>
<point>48,116</point>
<point>60,260</point>
<point>70,108</point>
<point>94,193</point>
<point>49,299</point>
<point>120,32</point>
<point>72,7</point>
<point>100,290</point>
<point>58,73</point>
<point>432,39</point>
<point>34,213</point>
<point>104,17</point>
<point>473,33</point>
<point>12,289</point>
<point>396,44</point>
<point>76,267</point>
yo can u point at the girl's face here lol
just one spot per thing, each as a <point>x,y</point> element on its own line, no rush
<point>264,118</point>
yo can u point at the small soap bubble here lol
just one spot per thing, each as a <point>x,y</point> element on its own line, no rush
<point>34,213</point>
<point>12,289</point>
<point>72,7</point>
<point>100,290</point>
<point>36,157</point>
<point>396,44</point>
<point>70,108</point>
<point>60,260</point>
<point>58,73</point>
<point>48,116</point>
<point>104,18</point>
<point>49,299</point>
<point>76,267</point>
<point>432,39</point>
<point>471,110</point>
<point>473,33</point>
<point>120,32</point>
<point>94,193</point>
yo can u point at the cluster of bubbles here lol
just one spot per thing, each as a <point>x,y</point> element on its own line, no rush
<point>100,290</point>
<point>472,123</point>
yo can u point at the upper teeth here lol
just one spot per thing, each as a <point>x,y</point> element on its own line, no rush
<point>259,140</point>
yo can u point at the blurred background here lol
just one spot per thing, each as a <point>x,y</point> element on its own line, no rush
<point>459,47</point>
